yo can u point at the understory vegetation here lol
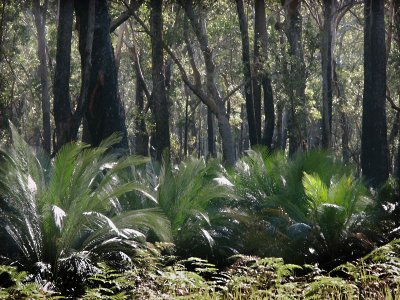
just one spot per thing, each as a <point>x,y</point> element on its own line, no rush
<point>93,223</point>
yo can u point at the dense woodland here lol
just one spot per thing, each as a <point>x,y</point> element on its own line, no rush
<point>190,148</point>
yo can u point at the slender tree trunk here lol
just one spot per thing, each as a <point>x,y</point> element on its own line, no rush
<point>200,30</point>
<point>39,13</point>
<point>185,144</point>
<point>269,112</point>
<point>62,102</point>
<point>326,54</point>
<point>259,25</point>
<point>160,140</point>
<point>210,133</point>
<point>248,89</point>
<point>141,136</point>
<point>396,12</point>
<point>297,116</point>
<point>262,80</point>
<point>374,147</point>
<point>104,110</point>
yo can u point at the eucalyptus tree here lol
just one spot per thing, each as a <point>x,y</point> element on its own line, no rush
<point>262,79</point>
<point>327,72</point>
<point>99,103</point>
<point>374,147</point>
<point>39,12</point>
<point>297,77</point>
<point>159,105</point>
<point>248,86</point>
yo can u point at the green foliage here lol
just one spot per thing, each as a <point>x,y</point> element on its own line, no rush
<point>13,285</point>
<point>69,208</point>
<point>185,193</point>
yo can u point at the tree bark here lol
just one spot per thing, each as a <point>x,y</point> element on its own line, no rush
<point>39,13</point>
<point>297,116</point>
<point>248,88</point>
<point>374,147</point>
<point>210,133</point>
<point>159,105</point>
<point>326,55</point>
<point>200,29</point>
<point>62,102</point>
<point>104,110</point>
<point>141,137</point>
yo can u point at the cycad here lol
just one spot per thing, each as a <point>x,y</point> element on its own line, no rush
<point>185,193</point>
<point>55,210</point>
<point>335,208</point>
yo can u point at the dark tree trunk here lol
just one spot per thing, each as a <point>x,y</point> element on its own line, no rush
<point>141,137</point>
<point>397,34</point>
<point>259,28</point>
<point>210,133</point>
<point>62,102</point>
<point>185,144</point>
<point>248,89</point>
<point>374,148</point>
<point>262,77</point>
<point>326,54</point>
<point>297,116</point>
<point>39,13</point>
<point>104,110</point>
<point>159,105</point>
<point>269,112</point>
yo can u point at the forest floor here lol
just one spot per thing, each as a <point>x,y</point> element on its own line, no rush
<point>374,276</point>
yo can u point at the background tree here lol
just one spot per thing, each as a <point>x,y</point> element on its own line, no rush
<point>374,155</point>
<point>39,12</point>
<point>159,104</point>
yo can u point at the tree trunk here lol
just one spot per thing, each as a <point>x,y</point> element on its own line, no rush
<point>104,110</point>
<point>269,112</point>
<point>159,105</point>
<point>297,79</point>
<point>248,89</point>
<point>210,133</point>
<point>326,55</point>
<point>200,29</point>
<point>374,148</point>
<point>62,102</point>
<point>396,12</point>
<point>141,136</point>
<point>40,22</point>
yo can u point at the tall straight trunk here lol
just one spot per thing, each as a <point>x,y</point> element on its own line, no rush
<point>62,102</point>
<point>374,147</point>
<point>279,123</point>
<point>185,144</point>
<point>326,54</point>
<point>210,133</point>
<point>269,112</point>
<point>396,13</point>
<point>141,136</point>
<point>159,105</point>
<point>248,88</point>
<point>259,25</point>
<point>297,115</point>
<point>39,13</point>
<point>200,29</point>
<point>262,82</point>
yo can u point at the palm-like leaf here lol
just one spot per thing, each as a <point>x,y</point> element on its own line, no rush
<point>334,208</point>
<point>185,193</point>
<point>78,208</point>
